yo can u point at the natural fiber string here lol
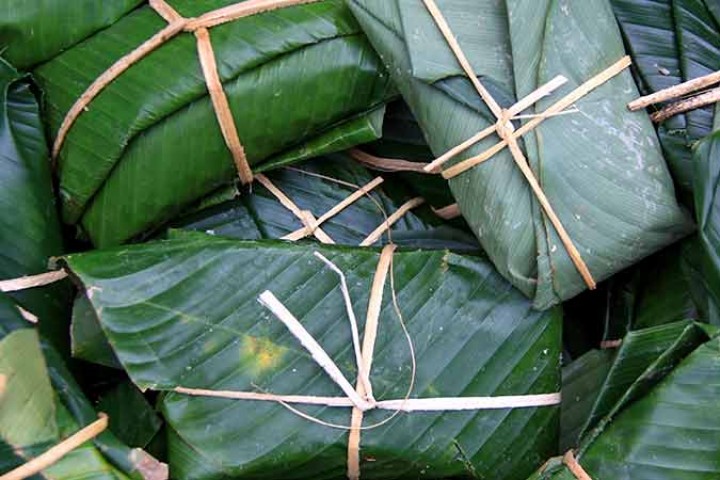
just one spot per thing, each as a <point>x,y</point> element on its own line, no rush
<point>387,164</point>
<point>361,399</point>
<point>176,25</point>
<point>574,466</point>
<point>54,454</point>
<point>221,105</point>
<point>391,220</point>
<point>307,218</point>
<point>676,91</point>
<point>554,109</point>
<point>32,281</point>
<point>509,135</point>
<point>352,198</point>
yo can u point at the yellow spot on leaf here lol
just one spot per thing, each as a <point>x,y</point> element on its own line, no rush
<point>261,354</point>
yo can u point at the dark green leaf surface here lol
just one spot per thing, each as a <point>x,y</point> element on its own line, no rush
<point>87,338</point>
<point>403,139</point>
<point>707,211</point>
<point>132,419</point>
<point>644,357</point>
<point>601,383</point>
<point>672,41</point>
<point>581,381</point>
<point>150,145</point>
<point>602,169</point>
<point>259,215</point>
<point>673,432</point>
<point>29,227</point>
<point>108,457</point>
<point>185,312</point>
<point>32,31</point>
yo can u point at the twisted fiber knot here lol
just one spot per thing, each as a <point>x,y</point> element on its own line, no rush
<point>504,125</point>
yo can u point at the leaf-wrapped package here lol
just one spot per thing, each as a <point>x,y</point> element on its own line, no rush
<point>185,313</point>
<point>149,144</point>
<point>600,166</point>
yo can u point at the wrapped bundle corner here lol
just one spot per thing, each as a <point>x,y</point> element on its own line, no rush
<point>226,361</point>
<point>567,186</point>
<point>202,95</point>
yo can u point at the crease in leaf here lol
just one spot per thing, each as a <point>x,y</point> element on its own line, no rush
<point>474,335</point>
<point>602,168</point>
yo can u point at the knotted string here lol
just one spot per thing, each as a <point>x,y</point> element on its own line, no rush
<point>361,398</point>
<point>199,27</point>
<point>509,135</point>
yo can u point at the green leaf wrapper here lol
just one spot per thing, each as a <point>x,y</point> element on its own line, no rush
<point>601,168</point>
<point>185,313</point>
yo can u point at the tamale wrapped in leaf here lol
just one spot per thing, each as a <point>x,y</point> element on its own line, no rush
<point>149,144</point>
<point>599,166</point>
<point>185,313</point>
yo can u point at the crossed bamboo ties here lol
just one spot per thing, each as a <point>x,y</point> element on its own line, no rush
<point>200,28</point>
<point>509,135</point>
<point>360,398</point>
<point>312,225</point>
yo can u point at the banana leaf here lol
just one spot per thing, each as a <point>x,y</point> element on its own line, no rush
<point>707,211</point>
<point>185,312</point>
<point>41,405</point>
<point>682,282</point>
<point>672,432</point>
<point>403,139</point>
<point>132,418</point>
<point>259,215</point>
<point>29,227</point>
<point>87,338</point>
<point>33,31</point>
<point>601,383</point>
<point>673,41</point>
<point>300,81</point>
<point>601,168</point>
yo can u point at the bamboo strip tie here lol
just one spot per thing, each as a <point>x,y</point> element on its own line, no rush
<point>391,220</point>
<point>56,453</point>
<point>574,466</point>
<point>352,198</point>
<point>177,24</point>
<point>552,111</point>
<point>389,165</point>
<point>312,227</point>
<point>361,399</point>
<point>450,212</point>
<point>32,281</point>
<point>509,135</point>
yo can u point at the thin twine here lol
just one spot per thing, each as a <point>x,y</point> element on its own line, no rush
<point>375,235</point>
<point>411,348</point>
